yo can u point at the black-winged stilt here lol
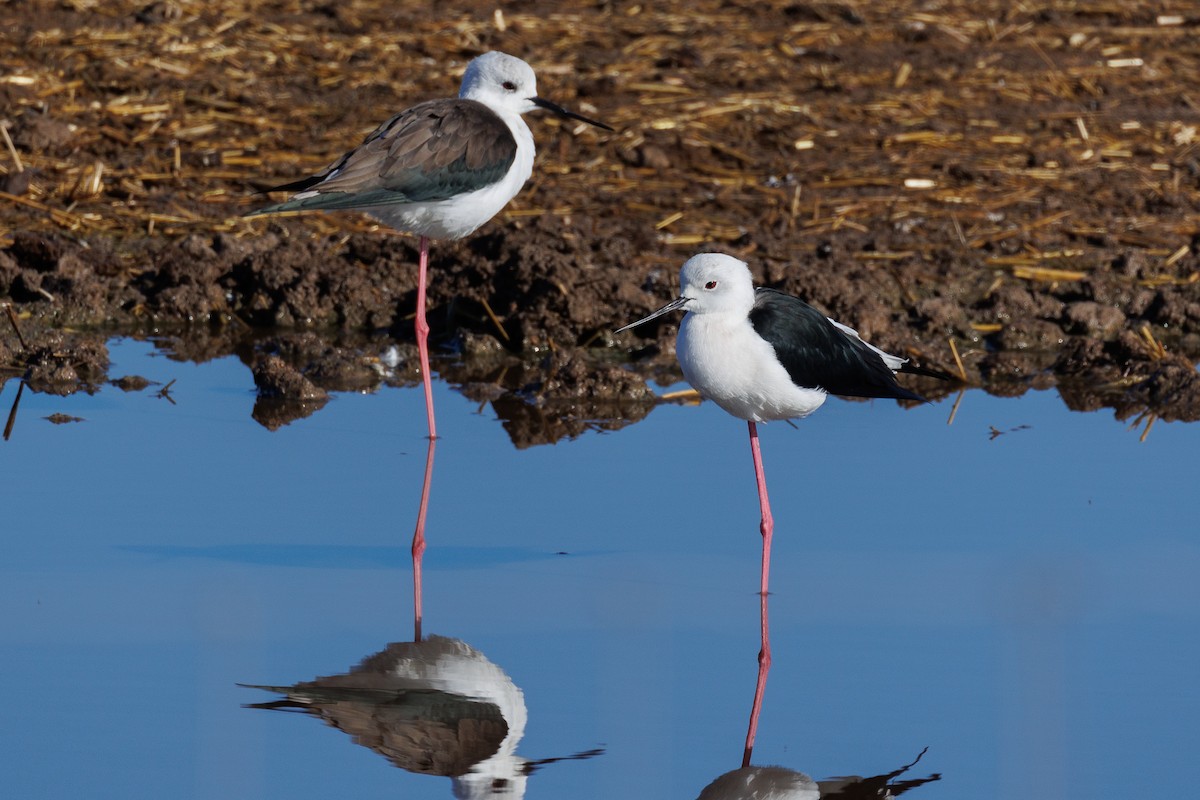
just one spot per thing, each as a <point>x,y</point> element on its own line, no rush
<point>764,355</point>
<point>439,169</point>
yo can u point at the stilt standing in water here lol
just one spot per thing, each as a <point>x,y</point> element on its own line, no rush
<point>764,355</point>
<point>439,169</point>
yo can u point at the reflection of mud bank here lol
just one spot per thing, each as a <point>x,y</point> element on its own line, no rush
<point>538,399</point>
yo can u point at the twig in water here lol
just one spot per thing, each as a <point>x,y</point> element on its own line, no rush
<point>686,396</point>
<point>165,392</point>
<point>1149,417</point>
<point>993,431</point>
<point>1149,425</point>
<point>954,408</point>
<point>12,415</point>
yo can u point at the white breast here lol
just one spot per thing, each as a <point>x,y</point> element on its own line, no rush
<point>730,364</point>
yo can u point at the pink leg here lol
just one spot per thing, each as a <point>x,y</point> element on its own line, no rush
<point>764,654</point>
<point>423,335</point>
<point>764,666</point>
<point>768,522</point>
<point>418,543</point>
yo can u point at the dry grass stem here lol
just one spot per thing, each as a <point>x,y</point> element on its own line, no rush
<point>1157,351</point>
<point>12,318</point>
<point>487,308</point>
<point>685,396</point>
<point>954,409</point>
<point>962,371</point>
<point>12,150</point>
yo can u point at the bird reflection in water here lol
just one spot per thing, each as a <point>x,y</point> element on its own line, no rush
<point>418,542</point>
<point>434,706</point>
<point>780,783</point>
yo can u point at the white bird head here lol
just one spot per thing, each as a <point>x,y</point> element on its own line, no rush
<point>499,80</point>
<point>710,283</point>
<point>715,283</point>
<point>504,82</point>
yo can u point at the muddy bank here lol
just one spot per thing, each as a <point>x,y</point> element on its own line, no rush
<point>1009,193</point>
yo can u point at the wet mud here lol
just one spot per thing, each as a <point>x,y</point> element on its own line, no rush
<point>1008,194</point>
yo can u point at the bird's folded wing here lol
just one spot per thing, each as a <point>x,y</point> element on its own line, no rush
<point>433,151</point>
<point>819,353</point>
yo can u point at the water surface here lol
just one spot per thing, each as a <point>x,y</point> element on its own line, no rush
<point>1023,605</point>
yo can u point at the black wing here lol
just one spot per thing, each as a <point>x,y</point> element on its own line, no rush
<point>818,355</point>
<point>432,151</point>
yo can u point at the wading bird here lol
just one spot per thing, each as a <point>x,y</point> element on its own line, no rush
<point>764,355</point>
<point>439,169</point>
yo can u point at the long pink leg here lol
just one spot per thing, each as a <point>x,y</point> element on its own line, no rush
<point>764,654</point>
<point>764,666</point>
<point>768,522</point>
<point>423,335</point>
<point>418,543</point>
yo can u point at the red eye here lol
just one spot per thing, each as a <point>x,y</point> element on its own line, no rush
<point>710,285</point>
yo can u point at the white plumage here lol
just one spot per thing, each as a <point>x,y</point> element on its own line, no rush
<point>762,355</point>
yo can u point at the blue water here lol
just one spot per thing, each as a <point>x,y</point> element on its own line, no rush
<point>1025,606</point>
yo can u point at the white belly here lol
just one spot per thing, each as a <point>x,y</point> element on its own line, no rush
<point>737,369</point>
